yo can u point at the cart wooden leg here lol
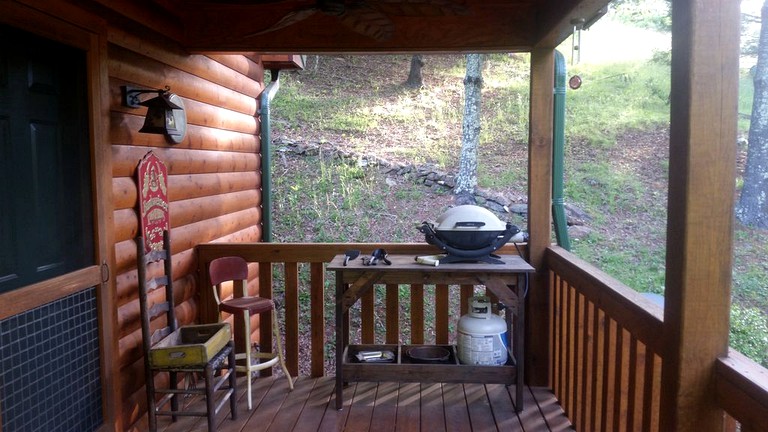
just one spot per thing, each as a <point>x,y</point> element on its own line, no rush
<point>339,341</point>
<point>519,348</point>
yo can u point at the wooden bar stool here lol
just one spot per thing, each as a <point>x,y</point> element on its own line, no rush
<point>235,269</point>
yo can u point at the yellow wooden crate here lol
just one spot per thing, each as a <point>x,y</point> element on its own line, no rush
<point>190,345</point>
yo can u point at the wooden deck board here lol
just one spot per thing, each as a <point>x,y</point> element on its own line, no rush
<point>432,415</point>
<point>455,406</point>
<point>289,412</point>
<point>314,409</point>
<point>409,408</point>
<point>386,406</point>
<point>361,410</point>
<point>502,407</point>
<point>479,407</point>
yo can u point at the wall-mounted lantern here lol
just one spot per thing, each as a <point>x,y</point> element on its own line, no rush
<point>165,112</point>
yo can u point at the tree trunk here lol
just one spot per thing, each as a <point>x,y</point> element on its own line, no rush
<point>415,79</point>
<point>466,181</point>
<point>752,208</point>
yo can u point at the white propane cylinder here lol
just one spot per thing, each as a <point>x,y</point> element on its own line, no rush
<point>482,335</point>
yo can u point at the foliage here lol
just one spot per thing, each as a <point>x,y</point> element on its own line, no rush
<point>650,14</point>
<point>749,333</point>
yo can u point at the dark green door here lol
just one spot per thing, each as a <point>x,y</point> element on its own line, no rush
<point>46,226</point>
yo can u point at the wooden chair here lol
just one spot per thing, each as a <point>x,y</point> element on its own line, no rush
<point>158,358</point>
<point>235,269</point>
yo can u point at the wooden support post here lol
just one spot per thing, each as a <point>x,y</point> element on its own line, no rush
<point>539,214</point>
<point>705,49</point>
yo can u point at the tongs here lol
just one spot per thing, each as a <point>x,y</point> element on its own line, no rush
<point>376,256</point>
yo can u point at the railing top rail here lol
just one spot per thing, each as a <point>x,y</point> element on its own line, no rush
<point>742,390</point>
<point>314,252</point>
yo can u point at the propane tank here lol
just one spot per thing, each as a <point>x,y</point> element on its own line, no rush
<point>482,335</point>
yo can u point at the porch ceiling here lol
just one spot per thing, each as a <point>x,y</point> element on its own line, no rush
<point>307,26</point>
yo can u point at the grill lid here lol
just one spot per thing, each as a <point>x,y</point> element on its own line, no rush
<point>469,218</point>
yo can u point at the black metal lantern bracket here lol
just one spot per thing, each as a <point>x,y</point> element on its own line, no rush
<point>165,112</point>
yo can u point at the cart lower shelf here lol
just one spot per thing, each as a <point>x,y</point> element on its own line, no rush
<point>403,368</point>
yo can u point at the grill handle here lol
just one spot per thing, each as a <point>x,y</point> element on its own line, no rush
<point>469,224</point>
<point>432,238</point>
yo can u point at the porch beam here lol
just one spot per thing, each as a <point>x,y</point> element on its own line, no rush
<point>539,214</point>
<point>705,47</point>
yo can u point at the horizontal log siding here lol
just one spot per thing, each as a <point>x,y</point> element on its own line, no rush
<point>214,176</point>
<point>606,344</point>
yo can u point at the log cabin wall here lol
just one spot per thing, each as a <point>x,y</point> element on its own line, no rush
<point>214,176</point>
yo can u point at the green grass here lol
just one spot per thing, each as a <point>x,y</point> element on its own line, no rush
<point>615,98</point>
<point>622,261</point>
<point>749,333</point>
<point>601,188</point>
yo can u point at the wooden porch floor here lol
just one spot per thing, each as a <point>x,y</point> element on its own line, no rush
<point>384,406</point>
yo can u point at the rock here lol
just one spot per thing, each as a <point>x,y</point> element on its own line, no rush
<point>494,206</point>
<point>575,215</point>
<point>579,232</point>
<point>521,209</point>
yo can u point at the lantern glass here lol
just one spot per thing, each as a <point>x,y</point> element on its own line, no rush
<point>160,118</point>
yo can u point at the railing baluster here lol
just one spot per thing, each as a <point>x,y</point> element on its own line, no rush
<point>609,359</point>
<point>367,302</point>
<point>633,386</point>
<point>465,292</point>
<point>563,363</point>
<point>578,327</point>
<point>317,318</point>
<point>620,383</point>
<point>417,314</point>
<point>655,406</point>
<point>292,317</point>
<point>598,367</point>
<point>441,314</point>
<point>393,314</point>
<point>569,348</point>
<point>586,368</point>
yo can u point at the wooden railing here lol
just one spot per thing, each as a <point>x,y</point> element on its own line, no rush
<point>307,299</point>
<point>742,391</point>
<point>606,356</point>
<point>605,339</point>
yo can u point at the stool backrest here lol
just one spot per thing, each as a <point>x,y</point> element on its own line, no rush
<point>225,269</point>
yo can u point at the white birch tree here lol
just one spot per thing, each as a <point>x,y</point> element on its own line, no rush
<point>466,180</point>
<point>752,208</point>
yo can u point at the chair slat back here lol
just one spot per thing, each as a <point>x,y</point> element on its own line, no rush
<point>149,312</point>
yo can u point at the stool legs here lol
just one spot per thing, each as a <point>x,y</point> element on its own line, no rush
<point>271,358</point>
<point>276,332</point>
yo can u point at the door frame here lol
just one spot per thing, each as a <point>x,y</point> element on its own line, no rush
<point>75,27</point>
